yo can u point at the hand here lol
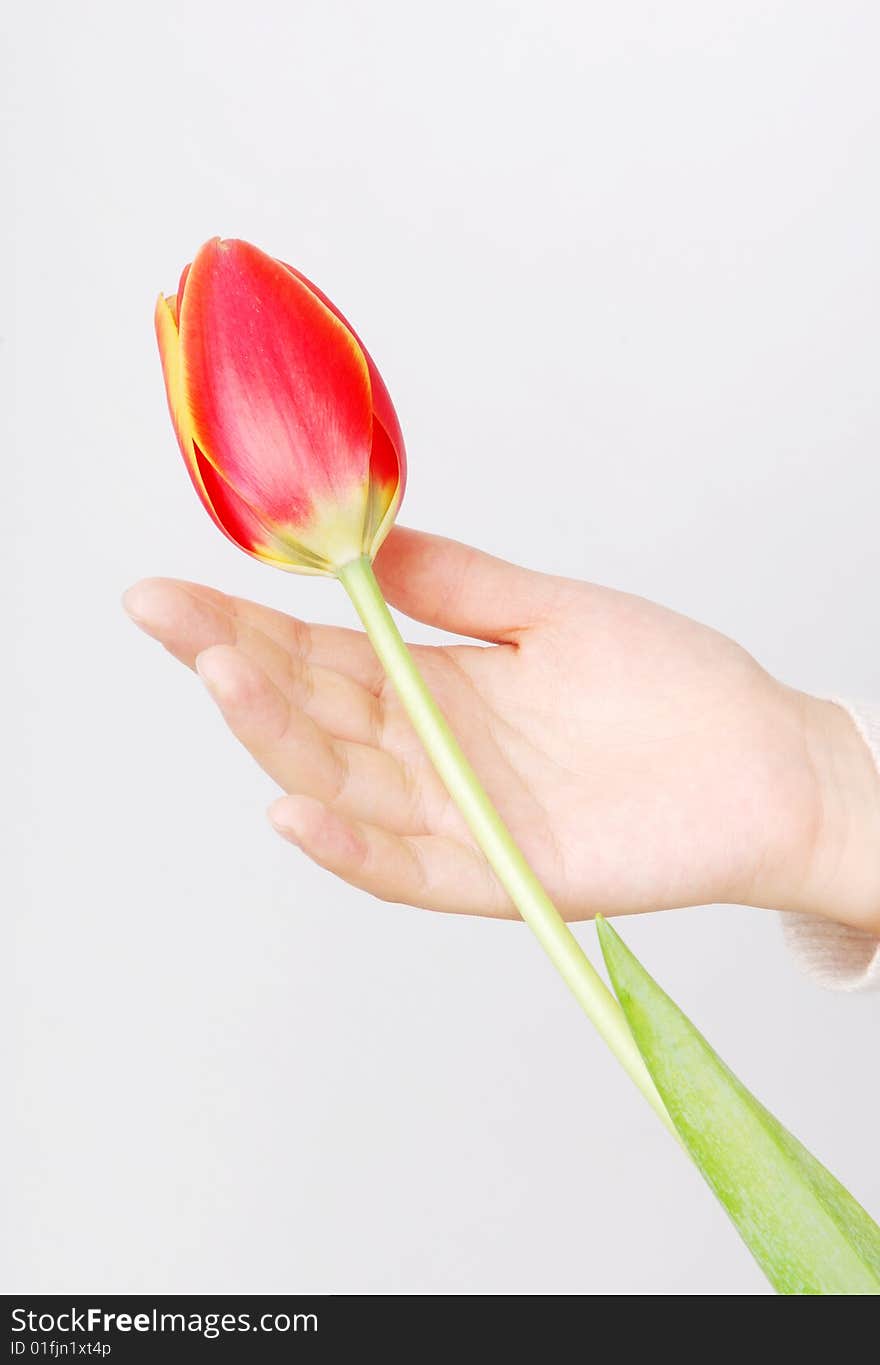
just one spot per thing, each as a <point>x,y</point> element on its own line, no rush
<point>641,760</point>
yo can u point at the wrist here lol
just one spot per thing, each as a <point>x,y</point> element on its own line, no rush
<point>839,873</point>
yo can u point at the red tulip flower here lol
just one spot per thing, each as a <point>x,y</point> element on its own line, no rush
<point>286,427</point>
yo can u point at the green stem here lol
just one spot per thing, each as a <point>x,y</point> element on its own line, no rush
<point>489,830</point>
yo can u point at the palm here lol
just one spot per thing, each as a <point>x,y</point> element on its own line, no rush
<point>636,756</point>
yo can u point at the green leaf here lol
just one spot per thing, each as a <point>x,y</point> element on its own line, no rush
<point>806,1231</point>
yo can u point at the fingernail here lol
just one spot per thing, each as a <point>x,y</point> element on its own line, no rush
<point>282,826</point>
<point>130,604</point>
<point>206,668</point>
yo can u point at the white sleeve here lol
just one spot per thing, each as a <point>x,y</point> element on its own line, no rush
<point>834,955</point>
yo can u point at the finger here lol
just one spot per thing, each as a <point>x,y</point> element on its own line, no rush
<point>431,871</point>
<point>351,777</point>
<point>188,621</point>
<point>167,609</point>
<point>463,590</point>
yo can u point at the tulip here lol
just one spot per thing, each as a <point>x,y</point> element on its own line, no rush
<point>286,427</point>
<point>292,443</point>
<point>291,440</point>
<point>293,446</point>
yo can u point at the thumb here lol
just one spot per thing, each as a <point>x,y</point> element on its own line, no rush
<point>460,589</point>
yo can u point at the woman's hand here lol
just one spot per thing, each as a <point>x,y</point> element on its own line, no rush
<point>641,760</point>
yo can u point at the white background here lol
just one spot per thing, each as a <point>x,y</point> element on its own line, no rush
<point>619,266</point>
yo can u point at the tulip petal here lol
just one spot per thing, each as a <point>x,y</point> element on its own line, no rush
<point>388,454</point>
<point>167,335</point>
<point>229,512</point>
<point>386,486</point>
<point>383,408</point>
<point>184,276</point>
<point>235,518</point>
<point>173,300</point>
<point>277,388</point>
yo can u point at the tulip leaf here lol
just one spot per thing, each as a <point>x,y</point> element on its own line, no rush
<point>805,1230</point>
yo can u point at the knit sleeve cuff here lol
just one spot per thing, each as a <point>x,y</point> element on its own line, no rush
<point>836,955</point>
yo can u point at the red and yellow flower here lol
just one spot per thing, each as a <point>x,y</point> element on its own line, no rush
<point>286,427</point>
